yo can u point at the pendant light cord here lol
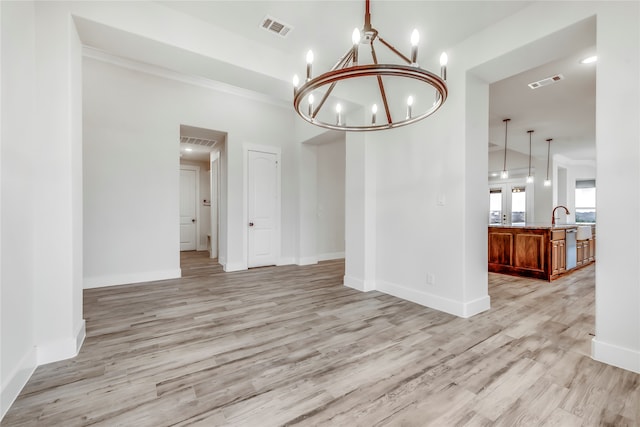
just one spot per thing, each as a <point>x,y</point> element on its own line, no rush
<point>530,132</point>
<point>548,155</point>
<point>506,122</point>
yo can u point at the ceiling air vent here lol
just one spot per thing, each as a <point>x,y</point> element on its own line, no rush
<point>276,26</point>
<point>546,82</point>
<point>197,141</point>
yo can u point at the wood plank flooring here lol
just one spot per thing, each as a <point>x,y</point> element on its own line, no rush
<point>292,346</point>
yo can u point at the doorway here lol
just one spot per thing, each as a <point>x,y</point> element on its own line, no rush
<point>200,150</point>
<point>508,204</point>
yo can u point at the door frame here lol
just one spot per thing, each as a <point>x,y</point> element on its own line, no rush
<point>214,187</point>
<point>506,186</point>
<point>246,148</point>
<point>196,169</point>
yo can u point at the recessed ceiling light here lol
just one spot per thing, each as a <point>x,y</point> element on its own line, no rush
<point>589,60</point>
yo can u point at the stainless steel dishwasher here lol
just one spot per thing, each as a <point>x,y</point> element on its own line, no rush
<point>570,245</point>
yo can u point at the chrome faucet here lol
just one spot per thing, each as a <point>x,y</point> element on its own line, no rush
<point>553,214</point>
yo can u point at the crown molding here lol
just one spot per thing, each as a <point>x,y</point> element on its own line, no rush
<point>100,55</point>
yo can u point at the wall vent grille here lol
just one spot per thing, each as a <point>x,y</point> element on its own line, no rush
<point>197,141</point>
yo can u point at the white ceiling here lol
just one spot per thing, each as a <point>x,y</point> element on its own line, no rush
<point>563,111</point>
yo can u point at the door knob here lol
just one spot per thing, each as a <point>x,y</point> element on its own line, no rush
<point>193,220</point>
<point>250,224</point>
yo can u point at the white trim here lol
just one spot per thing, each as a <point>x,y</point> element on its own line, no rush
<point>615,355</point>
<point>330,256</point>
<point>234,266</point>
<point>65,348</point>
<point>309,260</point>
<point>457,308</point>
<point>286,261</point>
<point>214,202</point>
<point>13,383</point>
<point>196,169</point>
<point>154,70</point>
<point>246,147</point>
<point>359,284</point>
<point>130,278</point>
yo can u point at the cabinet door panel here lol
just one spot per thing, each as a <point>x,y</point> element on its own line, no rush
<point>530,251</point>
<point>500,248</point>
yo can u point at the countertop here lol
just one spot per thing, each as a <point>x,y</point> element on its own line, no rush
<point>537,226</point>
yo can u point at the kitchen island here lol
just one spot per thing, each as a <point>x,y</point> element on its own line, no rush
<point>540,251</point>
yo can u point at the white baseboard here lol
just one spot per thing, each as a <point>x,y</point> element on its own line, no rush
<point>612,354</point>
<point>286,261</point>
<point>330,256</point>
<point>127,279</point>
<point>457,308</point>
<point>62,349</point>
<point>359,284</point>
<point>13,384</point>
<point>234,266</point>
<point>310,260</point>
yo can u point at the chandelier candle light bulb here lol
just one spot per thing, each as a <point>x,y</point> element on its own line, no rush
<point>443,65</point>
<point>415,39</point>
<point>338,117</point>
<point>409,105</point>
<point>374,110</point>
<point>296,82</point>
<point>309,62</point>
<point>310,104</point>
<point>355,38</point>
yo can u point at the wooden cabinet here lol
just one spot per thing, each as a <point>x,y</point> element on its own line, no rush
<point>519,251</point>
<point>583,252</point>
<point>586,249</point>
<point>539,252</point>
<point>558,257</point>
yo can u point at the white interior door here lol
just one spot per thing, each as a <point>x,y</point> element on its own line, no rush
<point>262,208</point>
<point>188,209</point>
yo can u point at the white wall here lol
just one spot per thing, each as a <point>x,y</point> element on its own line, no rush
<point>204,184</point>
<point>131,126</point>
<point>19,200</point>
<point>41,189</point>
<point>60,327</point>
<point>330,199</point>
<point>617,339</point>
<point>430,180</point>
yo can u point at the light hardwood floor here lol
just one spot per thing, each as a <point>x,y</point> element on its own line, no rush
<point>291,346</point>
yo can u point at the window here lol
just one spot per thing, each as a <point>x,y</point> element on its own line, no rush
<point>586,200</point>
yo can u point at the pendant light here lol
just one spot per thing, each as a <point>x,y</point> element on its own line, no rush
<point>529,176</point>
<point>547,182</point>
<point>505,174</point>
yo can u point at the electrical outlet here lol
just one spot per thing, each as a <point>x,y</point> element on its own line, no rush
<point>431,279</point>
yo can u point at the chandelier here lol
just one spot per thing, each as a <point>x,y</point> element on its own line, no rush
<point>406,92</point>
